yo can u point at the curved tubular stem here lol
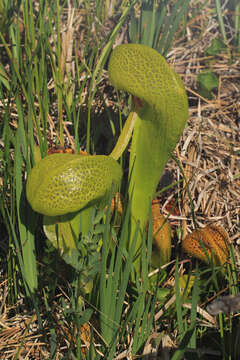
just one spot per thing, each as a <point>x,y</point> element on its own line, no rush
<point>125,136</point>
<point>162,115</point>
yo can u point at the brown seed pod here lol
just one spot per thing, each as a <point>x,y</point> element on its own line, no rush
<point>117,205</point>
<point>210,243</point>
<point>162,234</point>
<point>162,231</point>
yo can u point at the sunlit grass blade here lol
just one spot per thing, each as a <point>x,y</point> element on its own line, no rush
<point>106,323</point>
<point>179,303</point>
<point>151,26</point>
<point>222,24</point>
<point>193,315</point>
<point>146,25</point>
<point>96,75</point>
<point>113,285</point>
<point>176,16</point>
<point>179,353</point>
<point>26,221</point>
<point>144,319</point>
<point>237,25</point>
<point>220,20</point>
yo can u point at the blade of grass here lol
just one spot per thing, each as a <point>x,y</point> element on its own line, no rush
<point>178,303</point>
<point>113,284</point>
<point>146,23</point>
<point>128,268</point>
<point>178,354</point>
<point>180,8</point>
<point>193,315</point>
<point>144,321</point>
<point>96,76</point>
<point>237,25</point>
<point>220,20</point>
<point>26,218</point>
<point>221,24</point>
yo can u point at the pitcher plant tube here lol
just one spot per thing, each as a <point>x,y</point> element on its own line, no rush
<point>159,117</point>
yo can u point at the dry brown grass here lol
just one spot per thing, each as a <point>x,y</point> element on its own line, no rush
<point>209,153</point>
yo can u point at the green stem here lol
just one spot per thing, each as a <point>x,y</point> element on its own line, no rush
<point>162,112</point>
<point>125,136</point>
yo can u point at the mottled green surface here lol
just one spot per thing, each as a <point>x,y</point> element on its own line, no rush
<point>64,183</point>
<point>144,73</point>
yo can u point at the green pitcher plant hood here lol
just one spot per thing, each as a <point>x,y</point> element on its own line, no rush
<point>65,183</point>
<point>144,73</point>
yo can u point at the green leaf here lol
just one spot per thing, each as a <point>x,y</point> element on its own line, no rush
<point>4,78</point>
<point>216,47</point>
<point>60,232</point>
<point>207,81</point>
